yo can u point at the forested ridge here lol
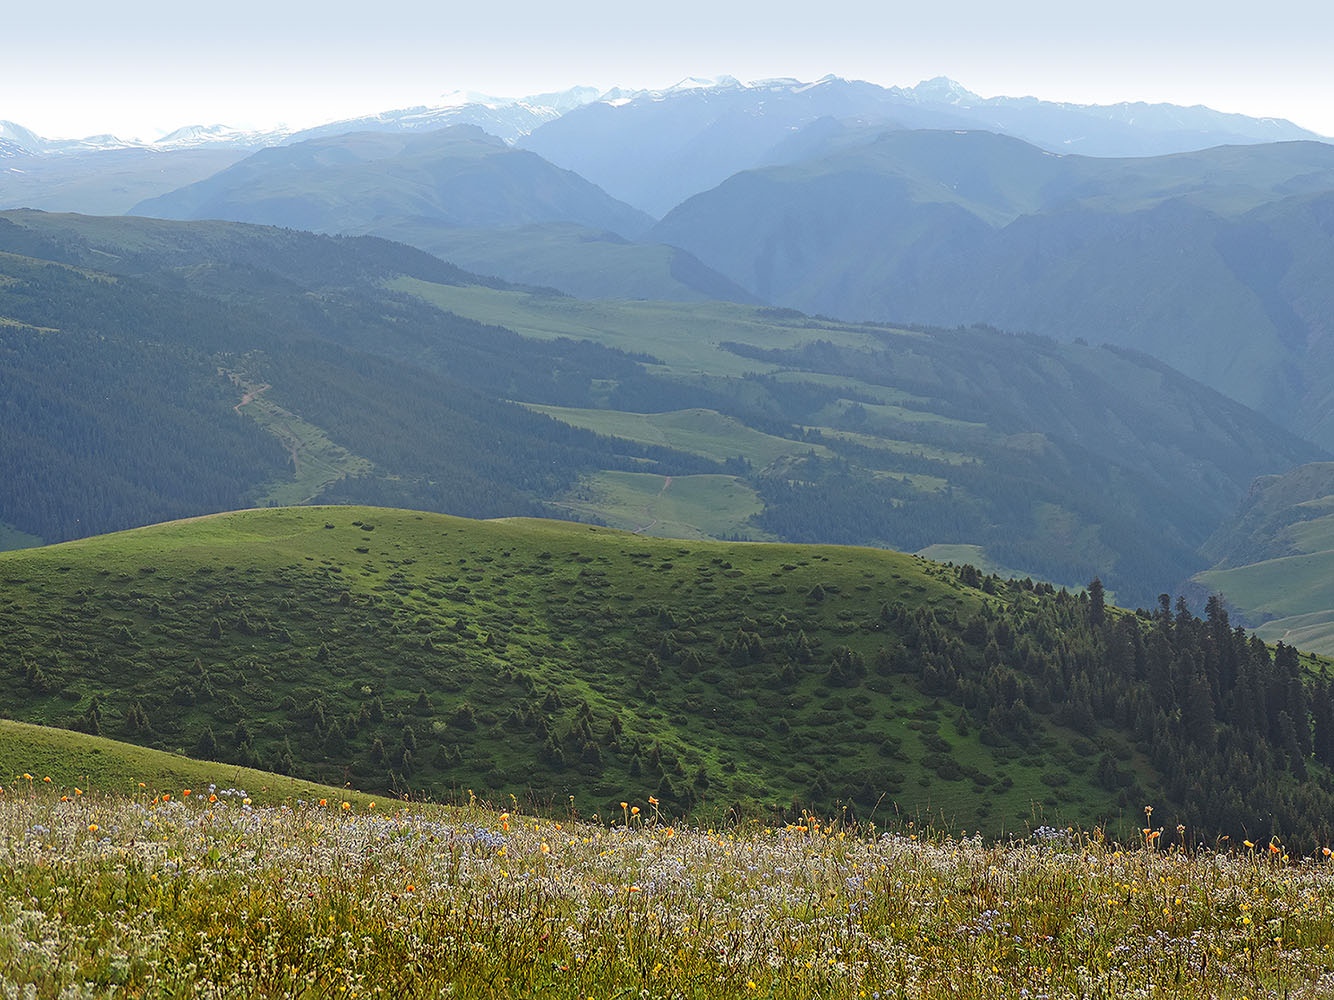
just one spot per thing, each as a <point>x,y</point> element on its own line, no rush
<point>119,414</point>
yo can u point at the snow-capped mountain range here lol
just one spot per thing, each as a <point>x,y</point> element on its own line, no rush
<point>507,118</point>
<point>512,118</point>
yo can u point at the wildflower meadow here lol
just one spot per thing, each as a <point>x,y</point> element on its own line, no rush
<point>205,892</point>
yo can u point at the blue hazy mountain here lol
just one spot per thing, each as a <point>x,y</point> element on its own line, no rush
<point>1211,260</point>
<point>654,149</point>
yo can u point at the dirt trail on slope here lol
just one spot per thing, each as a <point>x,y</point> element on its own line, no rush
<point>288,440</point>
<point>666,485</point>
<point>250,395</point>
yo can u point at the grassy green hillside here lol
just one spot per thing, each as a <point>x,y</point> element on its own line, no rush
<point>488,619</point>
<point>701,432</point>
<point>410,652</point>
<point>667,506</point>
<point>911,438</point>
<point>571,258</point>
<point>100,765</point>
<point>1274,562</point>
<point>683,338</point>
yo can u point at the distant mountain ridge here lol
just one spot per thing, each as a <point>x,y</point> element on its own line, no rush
<point>654,149</point>
<point>504,117</point>
<point>362,181</point>
<point>510,118</point>
<point>651,148</point>
<point>1215,261</point>
<point>462,194</point>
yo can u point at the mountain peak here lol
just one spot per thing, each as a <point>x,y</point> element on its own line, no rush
<point>20,136</point>
<point>943,90</point>
<point>563,100</point>
<point>704,83</point>
<point>464,98</point>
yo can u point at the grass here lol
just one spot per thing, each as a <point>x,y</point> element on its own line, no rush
<point>582,262</point>
<point>1313,631</point>
<point>1282,553</point>
<point>872,390</point>
<point>95,763</point>
<point>117,896</point>
<point>12,538</point>
<point>892,413</point>
<point>1288,587</point>
<point>917,448</point>
<point>396,649</point>
<point>699,507</point>
<point>700,432</point>
<point>684,337</point>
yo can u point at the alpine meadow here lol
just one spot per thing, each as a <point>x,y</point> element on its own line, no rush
<point>790,538</point>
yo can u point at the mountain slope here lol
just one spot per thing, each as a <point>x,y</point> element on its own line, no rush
<point>459,176</point>
<point>573,259</point>
<point>371,372</point>
<point>1061,460</point>
<point>100,765</point>
<point>1206,260</point>
<point>127,390</point>
<point>105,182</point>
<point>1274,561</point>
<point>462,195</point>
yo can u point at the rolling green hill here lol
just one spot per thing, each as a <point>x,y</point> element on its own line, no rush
<point>101,765</point>
<point>404,651</point>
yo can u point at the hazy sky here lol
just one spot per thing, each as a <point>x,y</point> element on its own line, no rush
<point>79,67</point>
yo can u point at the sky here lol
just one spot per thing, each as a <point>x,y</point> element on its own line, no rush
<point>139,69</point>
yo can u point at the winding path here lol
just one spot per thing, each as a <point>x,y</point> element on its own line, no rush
<point>251,395</point>
<point>666,485</point>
